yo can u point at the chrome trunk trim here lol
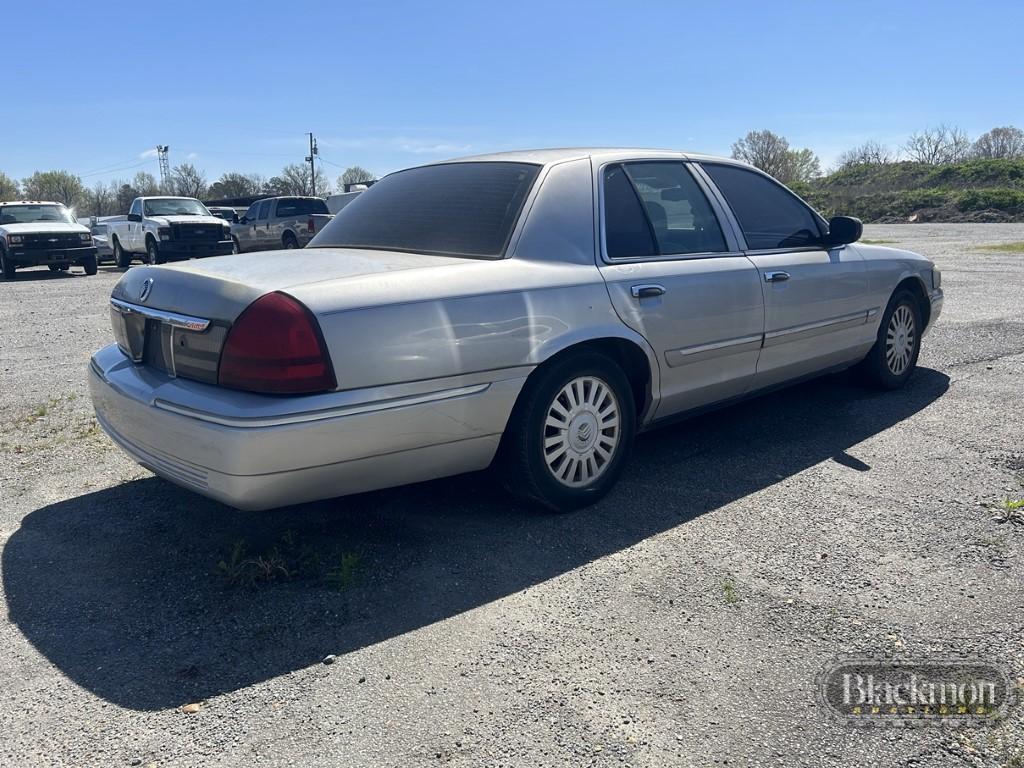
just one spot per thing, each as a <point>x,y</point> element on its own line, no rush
<point>173,319</point>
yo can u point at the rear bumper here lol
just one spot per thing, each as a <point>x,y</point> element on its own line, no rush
<point>172,250</point>
<point>47,256</point>
<point>259,452</point>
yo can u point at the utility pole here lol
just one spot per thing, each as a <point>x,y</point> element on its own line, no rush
<point>311,159</point>
<point>165,167</point>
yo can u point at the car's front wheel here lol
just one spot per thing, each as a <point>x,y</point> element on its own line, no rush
<point>234,245</point>
<point>570,433</point>
<point>153,252</point>
<point>90,265</point>
<point>893,358</point>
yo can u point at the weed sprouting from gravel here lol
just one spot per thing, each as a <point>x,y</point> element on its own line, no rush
<point>1010,511</point>
<point>729,591</point>
<point>1003,247</point>
<point>286,559</point>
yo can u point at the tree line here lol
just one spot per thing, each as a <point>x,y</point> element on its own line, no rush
<point>114,197</point>
<point>941,145</point>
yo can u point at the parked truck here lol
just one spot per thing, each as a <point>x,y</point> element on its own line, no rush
<point>159,229</point>
<point>280,222</point>
<point>37,233</point>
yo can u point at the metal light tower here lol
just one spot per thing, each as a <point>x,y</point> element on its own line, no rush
<point>165,167</point>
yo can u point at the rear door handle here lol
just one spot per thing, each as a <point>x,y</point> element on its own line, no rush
<point>776,277</point>
<point>647,291</point>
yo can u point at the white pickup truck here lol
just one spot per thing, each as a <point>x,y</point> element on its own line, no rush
<point>37,233</point>
<point>159,229</point>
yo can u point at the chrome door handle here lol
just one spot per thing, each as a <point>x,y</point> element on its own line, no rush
<point>647,291</point>
<point>776,277</point>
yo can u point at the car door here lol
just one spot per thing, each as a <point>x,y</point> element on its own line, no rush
<point>245,231</point>
<point>136,240</point>
<point>261,232</point>
<point>677,276</point>
<point>815,297</point>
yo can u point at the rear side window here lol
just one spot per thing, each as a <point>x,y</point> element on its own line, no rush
<point>300,206</point>
<point>769,214</point>
<point>627,232</point>
<point>454,209</point>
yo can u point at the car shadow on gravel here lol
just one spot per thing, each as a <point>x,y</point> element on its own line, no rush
<point>120,588</point>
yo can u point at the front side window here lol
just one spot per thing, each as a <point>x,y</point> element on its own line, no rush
<point>768,213</point>
<point>451,209</point>
<point>29,214</point>
<point>136,209</point>
<point>264,209</point>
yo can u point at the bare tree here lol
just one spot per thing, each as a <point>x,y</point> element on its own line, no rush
<point>231,185</point>
<point>1006,142</point>
<point>188,182</point>
<point>295,180</point>
<point>146,185</point>
<point>765,150</point>
<point>868,153</point>
<point>354,175</point>
<point>937,146</point>
<point>772,154</point>
<point>101,200</point>
<point>8,188</point>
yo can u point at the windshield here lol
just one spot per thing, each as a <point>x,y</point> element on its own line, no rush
<point>26,214</point>
<point>454,209</point>
<point>175,206</point>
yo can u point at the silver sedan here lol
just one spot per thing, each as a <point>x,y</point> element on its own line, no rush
<point>530,311</point>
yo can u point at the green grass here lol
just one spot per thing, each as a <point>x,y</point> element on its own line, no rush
<point>287,559</point>
<point>876,242</point>
<point>729,592</point>
<point>1010,511</point>
<point>1003,247</point>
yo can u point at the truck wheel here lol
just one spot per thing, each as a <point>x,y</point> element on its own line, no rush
<point>8,266</point>
<point>235,248</point>
<point>54,267</point>
<point>570,433</point>
<point>153,252</point>
<point>121,256</point>
<point>89,265</point>
<point>289,240</point>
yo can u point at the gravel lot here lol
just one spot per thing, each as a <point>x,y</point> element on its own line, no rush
<point>680,622</point>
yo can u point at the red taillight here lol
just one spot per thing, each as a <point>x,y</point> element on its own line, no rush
<point>311,224</point>
<point>275,347</point>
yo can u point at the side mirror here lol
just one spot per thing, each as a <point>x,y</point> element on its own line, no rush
<point>134,217</point>
<point>843,230</point>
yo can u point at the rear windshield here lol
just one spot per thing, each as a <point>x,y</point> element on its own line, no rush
<point>29,214</point>
<point>300,206</point>
<point>456,209</point>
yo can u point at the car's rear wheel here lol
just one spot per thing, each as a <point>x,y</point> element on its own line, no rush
<point>289,241</point>
<point>570,433</point>
<point>54,267</point>
<point>121,256</point>
<point>7,265</point>
<point>893,358</point>
<point>89,265</point>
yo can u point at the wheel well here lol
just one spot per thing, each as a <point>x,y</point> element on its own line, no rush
<point>916,287</point>
<point>150,238</point>
<point>629,357</point>
<point>288,233</point>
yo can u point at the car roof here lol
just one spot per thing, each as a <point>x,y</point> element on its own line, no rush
<point>603,154</point>
<point>30,202</point>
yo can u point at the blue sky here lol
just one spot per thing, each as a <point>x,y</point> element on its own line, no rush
<point>91,87</point>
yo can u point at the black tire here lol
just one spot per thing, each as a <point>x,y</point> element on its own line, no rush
<point>529,465</point>
<point>235,247</point>
<point>289,241</point>
<point>89,265</point>
<point>892,359</point>
<point>54,267</point>
<point>8,266</point>
<point>153,252</point>
<point>121,256</point>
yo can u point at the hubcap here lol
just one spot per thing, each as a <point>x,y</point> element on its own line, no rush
<point>581,431</point>
<point>899,340</point>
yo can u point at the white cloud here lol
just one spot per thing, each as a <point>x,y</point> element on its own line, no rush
<point>147,154</point>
